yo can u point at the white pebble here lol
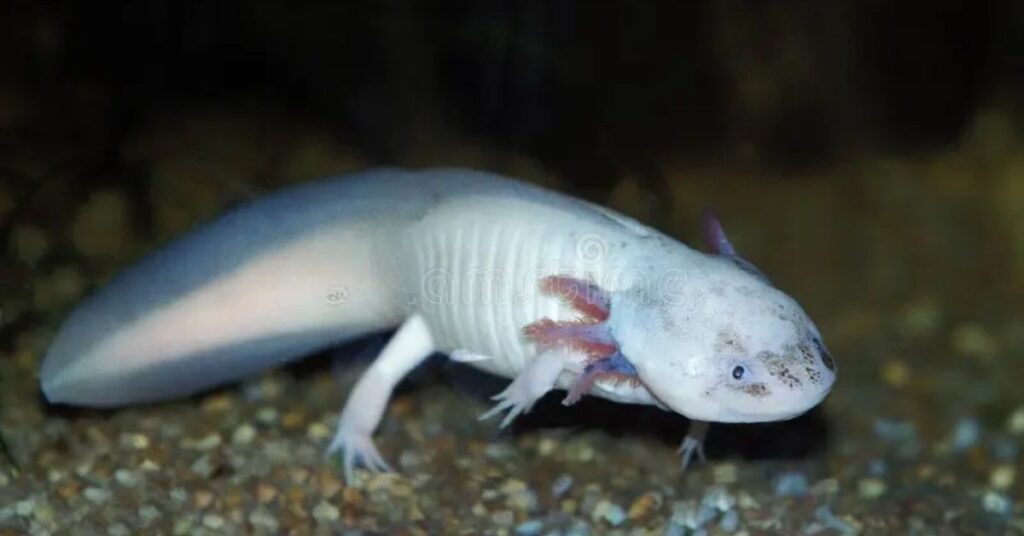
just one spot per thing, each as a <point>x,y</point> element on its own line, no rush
<point>326,512</point>
<point>126,478</point>
<point>1015,424</point>
<point>96,495</point>
<point>213,521</point>
<point>244,434</point>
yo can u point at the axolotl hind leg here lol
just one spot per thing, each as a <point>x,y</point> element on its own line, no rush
<point>409,346</point>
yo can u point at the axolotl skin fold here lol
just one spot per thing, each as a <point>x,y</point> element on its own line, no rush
<point>525,283</point>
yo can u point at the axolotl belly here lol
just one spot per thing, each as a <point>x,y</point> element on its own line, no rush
<point>525,283</point>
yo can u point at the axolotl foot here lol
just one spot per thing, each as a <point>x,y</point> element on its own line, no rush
<point>531,384</point>
<point>693,444</point>
<point>356,450</point>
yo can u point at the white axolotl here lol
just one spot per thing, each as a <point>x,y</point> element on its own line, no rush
<point>521,282</point>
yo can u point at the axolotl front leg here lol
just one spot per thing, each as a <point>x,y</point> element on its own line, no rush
<point>568,344</point>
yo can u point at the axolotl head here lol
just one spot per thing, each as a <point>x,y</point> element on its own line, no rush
<point>722,343</point>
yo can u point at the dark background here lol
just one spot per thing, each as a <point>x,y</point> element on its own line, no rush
<point>592,89</point>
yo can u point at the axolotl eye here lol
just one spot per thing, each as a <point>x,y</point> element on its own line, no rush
<point>738,371</point>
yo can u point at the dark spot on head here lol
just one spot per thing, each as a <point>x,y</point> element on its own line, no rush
<point>807,354</point>
<point>778,366</point>
<point>756,389</point>
<point>728,343</point>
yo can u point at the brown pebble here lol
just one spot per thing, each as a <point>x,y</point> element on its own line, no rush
<point>329,483</point>
<point>293,420</point>
<point>644,506</point>
<point>233,499</point>
<point>353,497</point>
<point>69,491</point>
<point>203,498</point>
<point>265,492</point>
<point>218,403</point>
<point>402,406</point>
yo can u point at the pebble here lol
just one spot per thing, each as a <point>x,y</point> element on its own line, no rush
<point>28,243</point>
<point>825,516</point>
<point>325,512</point>
<point>118,529</point>
<point>730,521</point>
<point>96,495</point>
<point>135,441</point>
<point>547,446</point>
<point>318,431</point>
<point>792,484</point>
<point>580,451</point>
<point>499,451</point>
<point>126,478</point>
<point>718,499</point>
<point>182,527</point>
<point>148,513</point>
<point>561,486</point>
<point>518,496</point>
<point>101,226</point>
<point>965,434</point>
<point>974,340</point>
<point>57,289</point>
<point>293,419</point>
<point>532,527</point>
<point>996,503</point>
<point>674,529</point>
<point>261,518</point>
<point>877,467</point>
<point>1004,449</point>
<point>920,318</point>
<point>206,443</point>
<point>218,403</point>
<point>267,416</point>
<point>202,466</point>
<point>1015,423</point>
<point>503,518</point>
<point>725,473</point>
<point>24,508</point>
<point>895,431</point>
<point>684,514</point>
<point>645,505</point>
<point>895,373</point>
<point>1003,477</point>
<point>609,512</point>
<point>213,521</point>
<point>871,488</point>
<point>243,434</point>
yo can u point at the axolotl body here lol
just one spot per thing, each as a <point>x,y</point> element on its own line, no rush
<point>513,279</point>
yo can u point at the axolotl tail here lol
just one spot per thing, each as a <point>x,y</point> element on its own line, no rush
<point>268,282</point>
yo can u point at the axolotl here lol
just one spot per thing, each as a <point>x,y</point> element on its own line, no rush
<point>545,289</point>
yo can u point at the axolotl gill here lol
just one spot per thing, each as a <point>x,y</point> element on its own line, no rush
<point>525,283</point>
